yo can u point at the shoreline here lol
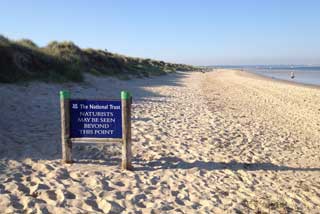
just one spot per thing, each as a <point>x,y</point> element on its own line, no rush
<point>261,76</point>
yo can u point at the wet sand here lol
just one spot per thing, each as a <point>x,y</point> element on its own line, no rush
<point>217,142</point>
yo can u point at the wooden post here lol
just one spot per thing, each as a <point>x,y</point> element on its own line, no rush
<point>126,130</point>
<point>65,127</point>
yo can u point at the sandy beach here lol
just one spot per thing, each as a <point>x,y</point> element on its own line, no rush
<point>220,142</point>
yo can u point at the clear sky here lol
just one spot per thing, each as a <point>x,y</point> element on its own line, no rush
<point>199,32</point>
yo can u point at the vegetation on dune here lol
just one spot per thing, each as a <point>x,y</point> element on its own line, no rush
<point>23,60</point>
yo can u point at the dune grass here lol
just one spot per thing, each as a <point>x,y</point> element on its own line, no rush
<point>23,60</point>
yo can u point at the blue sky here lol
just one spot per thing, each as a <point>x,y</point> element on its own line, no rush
<point>197,32</point>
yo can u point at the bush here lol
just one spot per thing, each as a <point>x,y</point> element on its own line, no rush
<point>27,43</point>
<point>23,60</point>
<point>4,41</point>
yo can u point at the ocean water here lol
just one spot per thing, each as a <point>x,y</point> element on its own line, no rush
<point>302,74</point>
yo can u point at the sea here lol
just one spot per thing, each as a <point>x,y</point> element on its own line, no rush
<point>302,74</point>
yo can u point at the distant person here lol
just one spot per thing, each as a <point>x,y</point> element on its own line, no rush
<point>292,75</point>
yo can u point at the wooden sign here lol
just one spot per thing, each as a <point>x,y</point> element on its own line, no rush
<point>96,121</point>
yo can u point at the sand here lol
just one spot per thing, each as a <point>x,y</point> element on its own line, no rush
<point>220,142</point>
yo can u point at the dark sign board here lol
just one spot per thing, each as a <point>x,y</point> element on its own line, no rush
<point>95,119</point>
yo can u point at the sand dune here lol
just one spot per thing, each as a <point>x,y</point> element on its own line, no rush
<point>219,142</point>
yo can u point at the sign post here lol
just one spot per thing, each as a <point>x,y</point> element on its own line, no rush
<point>65,127</point>
<point>126,130</point>
<point>98,121</point>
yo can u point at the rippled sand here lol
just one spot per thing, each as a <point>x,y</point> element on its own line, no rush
<point>219,142</point>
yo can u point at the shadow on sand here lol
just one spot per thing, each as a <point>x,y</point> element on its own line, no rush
<point>35,132</point>
<point>177,163</point>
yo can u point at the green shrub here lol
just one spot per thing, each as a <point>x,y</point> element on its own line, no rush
<point>94,72</point>
<point>4,40</point>
<point>23,60</point>
<point>27,43</point>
